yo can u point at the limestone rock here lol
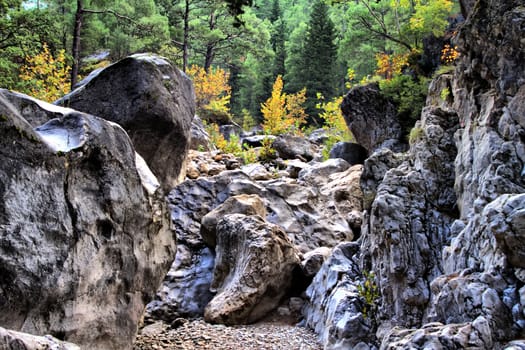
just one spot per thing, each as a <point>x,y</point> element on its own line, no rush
<point>240,204</point>
<point>84,235</point>
<point>253,269</point>
<point>11,340</point>
<point>474,335</point>
<point>313,215</point>
<point>372,118</point>
<point>292,147</point>
<point>153,101</point>
<point>334,308</point>
<point>318,172</point>
<point>410,219</point>
<point>353,153</point>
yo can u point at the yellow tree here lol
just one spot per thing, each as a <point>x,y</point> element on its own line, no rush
<point>212,93</point>
<point>45,77</point>
<point>283,113</point>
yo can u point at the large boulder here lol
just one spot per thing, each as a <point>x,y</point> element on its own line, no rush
<point>153,101</point>
<point>11,340</point>
<point>253,269</point>
<point>372,118</point>
<point>292,147</point>
<point>84,235</point>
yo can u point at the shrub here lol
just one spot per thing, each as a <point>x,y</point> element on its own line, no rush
<point>283,113</point>
<point>45,76</point>
<point>409,96</point>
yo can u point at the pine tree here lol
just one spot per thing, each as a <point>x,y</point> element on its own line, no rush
<point>319,58</point>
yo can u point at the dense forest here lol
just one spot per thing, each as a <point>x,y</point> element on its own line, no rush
<point>297,51</point>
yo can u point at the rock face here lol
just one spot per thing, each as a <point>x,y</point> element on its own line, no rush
<point>84,235</point>
<point>253,269</point>
<point>11,340</point>
<point>334,308</point>
<point>444,223</point>
<point>313,211</point>
<point>153,101</point>
<point>372,118</point>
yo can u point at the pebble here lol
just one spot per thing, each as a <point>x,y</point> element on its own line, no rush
<point>197,334</point>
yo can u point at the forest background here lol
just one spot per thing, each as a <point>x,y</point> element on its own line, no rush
<point>295,58</point>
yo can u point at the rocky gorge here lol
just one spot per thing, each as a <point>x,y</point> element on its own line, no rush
<point>111,226</point>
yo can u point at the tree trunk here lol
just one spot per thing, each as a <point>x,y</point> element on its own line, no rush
<point>210,47</point>
<point>186,36</point>
<point>76,43</point>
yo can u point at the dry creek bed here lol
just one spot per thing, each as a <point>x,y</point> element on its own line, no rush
<point>197,334</point>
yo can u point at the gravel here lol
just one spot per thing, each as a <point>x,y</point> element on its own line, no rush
<point>196,334</point>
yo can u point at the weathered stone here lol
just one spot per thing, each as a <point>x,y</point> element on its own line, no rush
<point>153,101</point>
<point>84,235</point>
<point>292,147</point>
<point>474,335</point>
<point>372,118</point>
<point>334,308</point>
<point>353,153</point>
<point>318,173</point>
<point>313,260</point>
<point>230,129</point>
<point>253,269</point>
<point>11,340</point>
<point>199,137</point>
<point>257,171</point>
<point>256,140</point>
<point>240,204</point>
<point>318,136</point>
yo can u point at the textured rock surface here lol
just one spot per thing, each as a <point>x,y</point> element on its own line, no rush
<point>443,225</point>
<point>253,269</point>
<point>153,101</point>
<point>199,137</point>
<point>11,340</point>
<point>409,221</point>
<point>334,308</point>
<point>294,147</point>
<point>353,153</point>
<point>312,214</point>
<point>372,118</point>
<point>241,204</point>
<point>84,236</point>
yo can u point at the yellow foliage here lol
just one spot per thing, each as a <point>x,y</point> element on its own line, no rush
<point>212,91</point>
<point>46,77</point>
<point>283,113</point>
<point>449,54</point>
<point>390,65</point>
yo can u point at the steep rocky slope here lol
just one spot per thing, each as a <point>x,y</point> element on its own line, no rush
<point>444,223</point>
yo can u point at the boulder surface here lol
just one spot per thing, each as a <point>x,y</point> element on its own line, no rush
<point>84,235</point>
<point>153,101</point>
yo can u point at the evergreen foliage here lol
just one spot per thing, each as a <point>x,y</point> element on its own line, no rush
<point>319,57</point>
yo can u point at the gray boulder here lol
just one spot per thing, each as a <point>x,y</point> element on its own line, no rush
<point>292,147</point>
<point>153,101</point>
<point>84,235</point>
<point>372,119</point>
<point>353,153</point>
<point>253,269</point>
